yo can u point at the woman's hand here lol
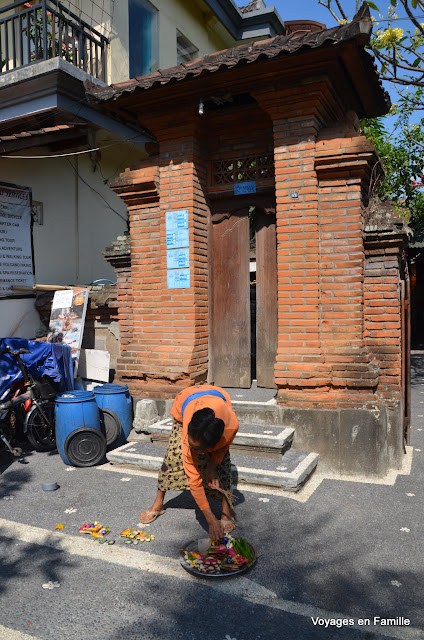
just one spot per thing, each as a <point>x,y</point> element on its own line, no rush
<point>211,476</point>
<point>216,530</point>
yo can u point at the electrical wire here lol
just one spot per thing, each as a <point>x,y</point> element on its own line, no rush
<point>98,192</point>
<point>106,180</point>
<point>48,116</point>
<point>74,153</point>
<point>396,19</point>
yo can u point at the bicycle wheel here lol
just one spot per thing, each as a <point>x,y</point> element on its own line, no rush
<point>41,431</point>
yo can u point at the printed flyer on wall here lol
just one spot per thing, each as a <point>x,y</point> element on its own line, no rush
<point>67,319</point>
<point>16,265</point>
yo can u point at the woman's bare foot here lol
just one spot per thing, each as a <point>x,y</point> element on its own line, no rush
<point>150,515</point>
<point>226,519</point>
<point>228,524</point>
<point>156,510</point>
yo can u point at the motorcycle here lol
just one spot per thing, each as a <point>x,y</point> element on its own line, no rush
<point>27,409</point>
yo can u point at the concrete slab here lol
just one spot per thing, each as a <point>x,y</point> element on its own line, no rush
<point>254,394</point>
<point>255,435</point>
<point>289,471</point>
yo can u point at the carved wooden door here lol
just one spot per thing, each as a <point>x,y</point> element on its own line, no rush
<point>231,320</point>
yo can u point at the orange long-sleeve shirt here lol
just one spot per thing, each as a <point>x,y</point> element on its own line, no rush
<point>222,410</point>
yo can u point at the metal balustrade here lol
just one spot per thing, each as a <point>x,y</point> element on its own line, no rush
<point>31,32</point>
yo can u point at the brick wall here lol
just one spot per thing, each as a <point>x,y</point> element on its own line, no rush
<point>339,318</point>
<point>382,318</point>
<point>386,329</point>
<point>164,342</point>
<point>322,174</point>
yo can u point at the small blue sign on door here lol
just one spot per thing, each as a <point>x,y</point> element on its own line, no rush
<point>244,187</point>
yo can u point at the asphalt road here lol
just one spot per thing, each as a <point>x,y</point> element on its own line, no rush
<point>350,552</point>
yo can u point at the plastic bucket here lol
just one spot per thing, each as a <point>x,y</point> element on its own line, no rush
<point>85,447</point>
<point>77,419</point>
<point>117,399</point>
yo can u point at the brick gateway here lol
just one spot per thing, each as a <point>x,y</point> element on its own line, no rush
<point>331,286</point>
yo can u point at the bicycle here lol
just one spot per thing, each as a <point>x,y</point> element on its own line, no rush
<point>30,409</point>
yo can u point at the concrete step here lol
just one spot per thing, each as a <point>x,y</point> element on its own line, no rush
<point>258,437</point>
<point>261,413</point>
<point>289,471</point>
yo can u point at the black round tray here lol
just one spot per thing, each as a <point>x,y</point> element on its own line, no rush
<point>193,546</point>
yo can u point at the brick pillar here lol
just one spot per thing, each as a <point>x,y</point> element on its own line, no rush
<point>139,188</point>
<point>321,176</point>
<point>386,322</point>
<point>300,363</point>
<point>168,343</point>
<point>183,186</point>
<point>299,358</point>
<point>118,254</point>
<point>344,162</point>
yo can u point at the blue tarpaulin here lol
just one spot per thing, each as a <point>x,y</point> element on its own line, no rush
<point>45,359</point>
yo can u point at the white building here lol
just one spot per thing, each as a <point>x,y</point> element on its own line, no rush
<point>47,126</point>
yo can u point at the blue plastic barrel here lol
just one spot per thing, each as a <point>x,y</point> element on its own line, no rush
<point>77,411</point>
<point>117,398</point>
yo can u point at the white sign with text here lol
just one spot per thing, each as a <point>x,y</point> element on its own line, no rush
<point>16,265</point>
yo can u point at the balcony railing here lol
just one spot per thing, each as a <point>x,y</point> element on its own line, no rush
<point>34,31</point>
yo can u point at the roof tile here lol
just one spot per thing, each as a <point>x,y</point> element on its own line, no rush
<point>359,29</point>
<point>40,132</point>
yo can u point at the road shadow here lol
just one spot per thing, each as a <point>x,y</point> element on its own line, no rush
<point>20,560</point>
<point>185,500</point>
<point>417,368</point>
<point>321,562</point>
<point>14,481</point>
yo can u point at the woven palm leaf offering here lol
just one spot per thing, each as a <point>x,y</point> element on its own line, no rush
<point>135,536</point>
<point>228,556</point>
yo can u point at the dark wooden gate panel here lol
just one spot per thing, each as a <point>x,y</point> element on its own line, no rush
<point>406,356</point>
<point>266,298</point>
<point>231,302</point>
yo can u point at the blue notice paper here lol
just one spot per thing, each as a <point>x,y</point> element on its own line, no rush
<point>178,278</point>
<point>176,220</point>
<point>177,239</point>
<point>177,258</point>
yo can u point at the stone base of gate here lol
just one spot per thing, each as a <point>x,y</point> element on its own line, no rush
<point>350,442</point>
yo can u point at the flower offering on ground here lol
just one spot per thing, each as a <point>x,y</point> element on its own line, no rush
<point>225,556</point>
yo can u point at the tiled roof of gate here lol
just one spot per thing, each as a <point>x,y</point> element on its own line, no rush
<point>358,30</point>
<point>40,132</point>
<point>254,5</point>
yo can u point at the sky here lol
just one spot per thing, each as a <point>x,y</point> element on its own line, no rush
<point>311,9</point>
<point>306,9</point>
<point>302,10</point>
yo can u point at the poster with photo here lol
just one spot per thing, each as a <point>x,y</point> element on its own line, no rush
<point>67,319</point>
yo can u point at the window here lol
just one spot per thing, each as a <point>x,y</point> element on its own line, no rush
<point>143,37</point>
<point>186,50</point>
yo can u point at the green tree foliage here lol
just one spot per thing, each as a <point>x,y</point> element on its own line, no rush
<point>397,43</point>
<point>402,157</point>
